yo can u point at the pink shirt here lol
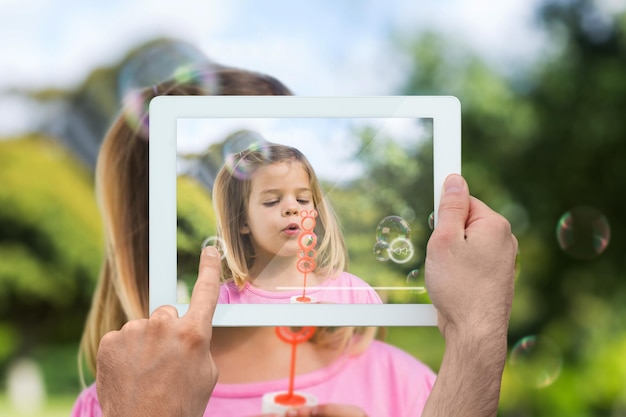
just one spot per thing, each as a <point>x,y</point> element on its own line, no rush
<point>344,289</point>
<point>383,381</point>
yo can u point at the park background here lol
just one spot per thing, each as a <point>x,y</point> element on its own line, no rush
<point>543,90</point>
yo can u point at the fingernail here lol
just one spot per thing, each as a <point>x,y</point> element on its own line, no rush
<point>211,251</point>
<point>453,184</point>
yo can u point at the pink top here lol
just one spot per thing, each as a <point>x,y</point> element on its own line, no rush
<point>383,381</point>
<point>344,289</point>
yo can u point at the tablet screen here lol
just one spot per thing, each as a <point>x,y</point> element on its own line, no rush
<point>338,231</point>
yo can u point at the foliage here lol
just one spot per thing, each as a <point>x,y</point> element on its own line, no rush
<point>50,245</point>
<point>396,181</point>
<point>195,222</point>
<point>54,406</point>
<point>534,150</point>
<point>535,146</point>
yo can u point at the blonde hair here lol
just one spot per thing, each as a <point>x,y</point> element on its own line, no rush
<point>121,293</point>
<point>231,194</point>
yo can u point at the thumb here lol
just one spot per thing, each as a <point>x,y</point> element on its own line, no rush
<point>453,206</point>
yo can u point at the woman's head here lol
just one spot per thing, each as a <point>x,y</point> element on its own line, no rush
<point>258,197</point>
<point>122,190</point>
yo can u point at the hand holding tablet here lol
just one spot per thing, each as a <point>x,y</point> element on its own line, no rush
<point>374,224</point>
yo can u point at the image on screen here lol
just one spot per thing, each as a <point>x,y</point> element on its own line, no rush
<point>362,241</point>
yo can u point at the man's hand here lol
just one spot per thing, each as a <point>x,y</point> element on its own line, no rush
<point>470,264</point>
<point>470,270</point>
<point>162,366</point>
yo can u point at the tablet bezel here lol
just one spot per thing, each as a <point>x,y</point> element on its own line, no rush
<point>164,112</point>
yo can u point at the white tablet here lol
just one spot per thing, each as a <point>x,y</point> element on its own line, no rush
<point>378,163</point>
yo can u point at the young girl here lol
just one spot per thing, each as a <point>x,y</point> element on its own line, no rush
<point>344,366</point>
<point>259,220</point>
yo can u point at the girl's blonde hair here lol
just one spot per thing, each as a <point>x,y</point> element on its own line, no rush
<point>121,293</point>
<point>231,194</point>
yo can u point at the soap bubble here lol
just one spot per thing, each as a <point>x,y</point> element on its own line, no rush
<point>236,152</point>
<point>307,253</point>
<point>136,107</point>
<point>305,265</point>
<point>381,251</point>
<point>431,221</point>
<point>401,250</point>
<point>536,361</point>
<point>393,242</point>
<point>217,242</point>
<point>307,240</point>
<point>583,232</point>
<point>173,62</point>
<point>308,220</point>
<point>415,279</point>
<point>391,228</point>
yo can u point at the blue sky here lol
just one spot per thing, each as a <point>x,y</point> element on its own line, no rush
<point>329,143</point>
<point>320,47</point>
<point>316,47</point>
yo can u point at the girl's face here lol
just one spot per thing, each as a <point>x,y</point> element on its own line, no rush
<point>279,192</point>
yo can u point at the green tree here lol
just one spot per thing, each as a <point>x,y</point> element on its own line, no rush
<point>50,247</point>
<point>534,147</point>
<point>195,222</point>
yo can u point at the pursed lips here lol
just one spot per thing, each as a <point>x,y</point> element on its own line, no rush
<point>292,229</point>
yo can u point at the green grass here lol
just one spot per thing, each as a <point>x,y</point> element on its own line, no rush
<point>425,343</point>
<point>57,406</point>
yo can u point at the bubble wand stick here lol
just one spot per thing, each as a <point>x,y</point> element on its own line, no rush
<point>306,254</point>
<point>294,339</point>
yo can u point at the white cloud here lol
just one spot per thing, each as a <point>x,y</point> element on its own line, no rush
<point>503,32</point>
<point>299,63</point>
<point>371,67</point>
<point>611,6</point>
<point>334,50</point>
<point>328,143</point>
<point>17,115</point>
<point>59,43</point>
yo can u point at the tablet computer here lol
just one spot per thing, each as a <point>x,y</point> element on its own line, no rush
<point>378,163</point>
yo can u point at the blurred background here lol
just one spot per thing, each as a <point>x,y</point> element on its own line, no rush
<point>543,90</point>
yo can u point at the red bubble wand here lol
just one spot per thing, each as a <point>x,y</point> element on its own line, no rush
<point>294,338</point>
<point>306,255</point>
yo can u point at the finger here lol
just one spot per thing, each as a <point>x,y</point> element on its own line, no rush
<point>134,325</point>
<point>479,211</point>
<point>207,287</point>
<point>108,339</point>
<point>335,410</point>
<point>164,313</point>
<point>453,206</point>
